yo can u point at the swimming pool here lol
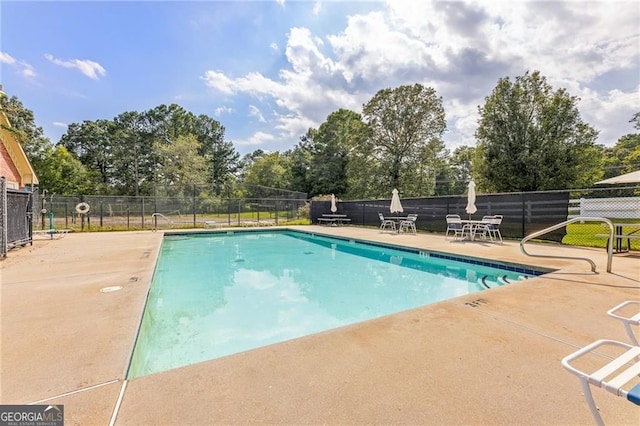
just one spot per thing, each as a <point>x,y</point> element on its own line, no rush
<point>221,293</point>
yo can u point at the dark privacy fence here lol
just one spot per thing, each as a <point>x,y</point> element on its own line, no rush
<point>15,218</point>
<point>523,213</point>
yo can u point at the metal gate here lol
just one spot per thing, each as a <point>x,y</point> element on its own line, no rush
<point>16,217</point>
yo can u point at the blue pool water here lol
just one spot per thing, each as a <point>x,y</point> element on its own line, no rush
<point>218,294</point>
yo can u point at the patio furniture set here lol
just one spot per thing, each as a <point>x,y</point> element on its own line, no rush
<point>398,224</point>
<point>486,229</point>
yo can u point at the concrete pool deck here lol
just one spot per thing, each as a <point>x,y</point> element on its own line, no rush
<point>487,358</point>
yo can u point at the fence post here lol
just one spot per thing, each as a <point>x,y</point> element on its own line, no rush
<point>523,214</point>
<point>194,205</point>
<point>3,217</point>
<point>43,211</point>
<point>30,215</point>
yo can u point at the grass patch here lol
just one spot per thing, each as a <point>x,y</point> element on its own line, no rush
<point>584,234</point>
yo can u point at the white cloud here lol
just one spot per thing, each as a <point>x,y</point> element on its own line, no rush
<point>219,81</point>
<point>223,110</point>
<point>461,49</point>
<point>614,108</point>
<point>258,138</point>
<point>91,69</point>
<point>304,95</point>
<point>254,111</point>
<point>24,69</point>
<point>5,58</point>
<point>317,6</point>
<point>274,46</point>
<point>60,124</point>
<point>27,70</point>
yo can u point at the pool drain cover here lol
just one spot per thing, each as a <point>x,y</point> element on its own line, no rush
<point>110,289</point>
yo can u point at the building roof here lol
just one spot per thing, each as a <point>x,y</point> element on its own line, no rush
<point>13,147</point>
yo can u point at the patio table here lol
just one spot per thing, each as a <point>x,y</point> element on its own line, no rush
<point>619,236</point>
<point>334,219</point>
<point>397,220</point>
<point>473,226</point>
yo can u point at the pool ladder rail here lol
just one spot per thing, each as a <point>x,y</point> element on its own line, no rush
<point>565,223</point>
<point>154,217</point>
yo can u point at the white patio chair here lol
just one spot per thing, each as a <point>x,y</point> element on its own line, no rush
<point>384,223</point>
<point>619,375</point>
<point>454,224</point>
<point>627,320</point>
<point>483,230</point>
<point>409,224</point>
<point>494,227</point>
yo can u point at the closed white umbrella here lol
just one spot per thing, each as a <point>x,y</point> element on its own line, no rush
<point>333,204</point>
<point>471,199</point>
<point>396,206</point>
<point>633,177</point>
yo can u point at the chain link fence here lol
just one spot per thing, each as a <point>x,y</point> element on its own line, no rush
<point>620,205</point>
<point>99,212</point>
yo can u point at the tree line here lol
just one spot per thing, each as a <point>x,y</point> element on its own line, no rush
<point>529,137</point>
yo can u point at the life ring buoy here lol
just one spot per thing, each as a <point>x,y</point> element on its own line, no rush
<point>83,208</point>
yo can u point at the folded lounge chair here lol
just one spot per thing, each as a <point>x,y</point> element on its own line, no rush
<point>619,375</point>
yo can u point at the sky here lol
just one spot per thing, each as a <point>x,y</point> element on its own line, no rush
<point>268,70</point>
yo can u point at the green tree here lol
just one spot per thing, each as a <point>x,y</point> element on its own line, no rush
<point>180,165</point>
<point>133,156</point>
<point>424,169</point>
<point>271,170</point>
<point>246,162</point>
<point>402,123</point>
<point>29,135</point>
<point>222,159</point>
<point>64,174</point>
<point>459,171</point>
<point>531,138</point>
<point>624,156</point>
<point>301,161</point>
<point>122,153</point>
<point>329,147</point>
<point>58,171</point>
<point>90,142</point>
<point>168,122</point>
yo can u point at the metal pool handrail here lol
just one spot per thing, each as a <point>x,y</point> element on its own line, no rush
<point>565,223</point>
<point>155,220</point>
